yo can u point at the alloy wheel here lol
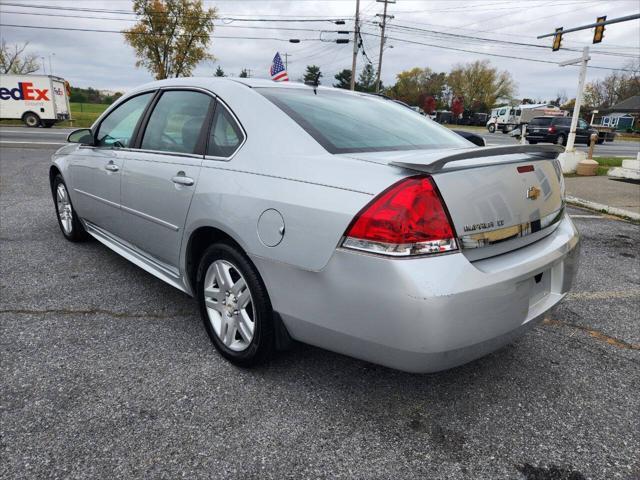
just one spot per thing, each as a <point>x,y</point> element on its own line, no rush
<point>229,305</point>
<point>65,211</point>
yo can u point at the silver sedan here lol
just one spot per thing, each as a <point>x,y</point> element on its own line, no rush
<point>335,218</point>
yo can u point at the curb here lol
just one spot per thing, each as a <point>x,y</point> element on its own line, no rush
<point>620,212</point>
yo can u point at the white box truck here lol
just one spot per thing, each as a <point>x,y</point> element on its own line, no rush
<point>508,118</point>
<point>37,100</point>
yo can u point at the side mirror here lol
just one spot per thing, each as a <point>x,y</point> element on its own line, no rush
<point>83,136</point>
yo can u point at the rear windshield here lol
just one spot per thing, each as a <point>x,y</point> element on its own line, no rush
<point>540,121</point>
<point>346,123</point>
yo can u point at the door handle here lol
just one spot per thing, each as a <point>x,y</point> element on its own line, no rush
<point>112,167</point>
<point>181,179</point>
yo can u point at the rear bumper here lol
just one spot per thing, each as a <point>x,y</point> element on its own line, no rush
<point>428,314</point>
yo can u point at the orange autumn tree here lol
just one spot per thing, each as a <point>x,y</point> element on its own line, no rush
<point>172,36</point>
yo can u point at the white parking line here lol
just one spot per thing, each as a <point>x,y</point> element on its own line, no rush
<point>32,143</point>
<point>585,216</point>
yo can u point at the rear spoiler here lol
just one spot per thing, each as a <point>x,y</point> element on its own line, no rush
<point>540,151</point>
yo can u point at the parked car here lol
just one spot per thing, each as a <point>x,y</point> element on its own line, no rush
<point>331,217</point>
<point>556,130</point>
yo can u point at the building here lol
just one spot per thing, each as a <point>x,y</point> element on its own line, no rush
<point>622,116</point>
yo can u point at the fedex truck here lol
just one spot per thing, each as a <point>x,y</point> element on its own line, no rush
<point>37,100</point>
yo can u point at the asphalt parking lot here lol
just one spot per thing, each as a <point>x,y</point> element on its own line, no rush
<point>107,372</point>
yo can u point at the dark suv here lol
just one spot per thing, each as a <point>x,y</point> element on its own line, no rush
<point>556,130</point>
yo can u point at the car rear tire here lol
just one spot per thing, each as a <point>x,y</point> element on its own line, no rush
<point>70,225</point>
<point>600,141</point>
<point>235,306</point>
<point>561,140</point>
<point>532,142</point>
<point>31,120</point>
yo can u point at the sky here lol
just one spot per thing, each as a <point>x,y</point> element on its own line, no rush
<point>105,61</point>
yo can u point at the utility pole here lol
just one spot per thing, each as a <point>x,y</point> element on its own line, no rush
<point>383,25</point>
<point>286,60</point>
<point>356,32</point>
<point>576,108</point>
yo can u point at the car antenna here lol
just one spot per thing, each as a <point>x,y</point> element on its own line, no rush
<point>314,83</point>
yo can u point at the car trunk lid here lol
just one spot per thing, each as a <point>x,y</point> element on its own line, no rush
<point>499,198</point>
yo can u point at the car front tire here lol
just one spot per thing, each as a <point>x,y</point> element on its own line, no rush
<point>234,306</point>
<point>69,222</point>
<point>491,128</point>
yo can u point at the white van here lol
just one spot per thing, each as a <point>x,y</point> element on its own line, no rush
<point>34,99</point>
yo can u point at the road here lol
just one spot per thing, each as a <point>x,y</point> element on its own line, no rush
<point>40,137</point>
<point>107,372</point>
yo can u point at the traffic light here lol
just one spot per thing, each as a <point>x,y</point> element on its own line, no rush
<point>557,39</point>
<point>599,33</point>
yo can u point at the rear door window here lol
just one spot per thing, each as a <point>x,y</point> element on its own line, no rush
<point>226,135</point>
<point>176,122</point>
<point>117,129</point>
<point>540,122</point>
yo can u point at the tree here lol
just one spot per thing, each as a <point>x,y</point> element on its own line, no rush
<point>367,79</point>
<point>244,73</point>
<point>480,84</point>
<point>457,107</point>
<point>219,72</point>
<point>14,60</point>
<point>312,74</point>
<point>344,79</point>
<point>172,36</point>
<point>412,86</point>
<point>614,88</point>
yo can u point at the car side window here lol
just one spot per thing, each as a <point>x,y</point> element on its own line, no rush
<point>176,122</point>
<point>117,129</point>
<point>582,124</point>
<point>226,135</point>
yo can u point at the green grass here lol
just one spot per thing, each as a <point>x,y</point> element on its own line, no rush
<point>606,163</point>
<point>83,114</point>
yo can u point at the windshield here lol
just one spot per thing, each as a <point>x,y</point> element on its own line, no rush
<point>347,123</point>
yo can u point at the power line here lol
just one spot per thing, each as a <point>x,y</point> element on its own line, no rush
<point>494,40</point>
<point>165,14</point>
<point>488,54</point>
<point>151,33</point>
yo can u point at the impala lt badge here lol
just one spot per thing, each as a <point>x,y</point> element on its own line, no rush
<point>533,193</point>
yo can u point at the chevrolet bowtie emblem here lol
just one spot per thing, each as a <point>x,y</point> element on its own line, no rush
<point>533,193</point>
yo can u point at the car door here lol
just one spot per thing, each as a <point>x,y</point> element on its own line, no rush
<point>160,176</point>
<point>96,170</point>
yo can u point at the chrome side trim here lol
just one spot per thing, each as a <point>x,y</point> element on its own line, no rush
<point>164,272</point>
<point>95,197</point>
<point>168,225</point>
<point>492,237</point>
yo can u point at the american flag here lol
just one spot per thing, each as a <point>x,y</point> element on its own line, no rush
<point>277,71</point>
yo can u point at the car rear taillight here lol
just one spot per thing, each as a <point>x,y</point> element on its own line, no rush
<point>409,218</point>
<point>551,129</point>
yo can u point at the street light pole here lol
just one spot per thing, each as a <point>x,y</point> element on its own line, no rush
<point>576,108</point>
<point>356,31</point>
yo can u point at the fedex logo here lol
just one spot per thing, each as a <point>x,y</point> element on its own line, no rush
<point>24,91</point>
